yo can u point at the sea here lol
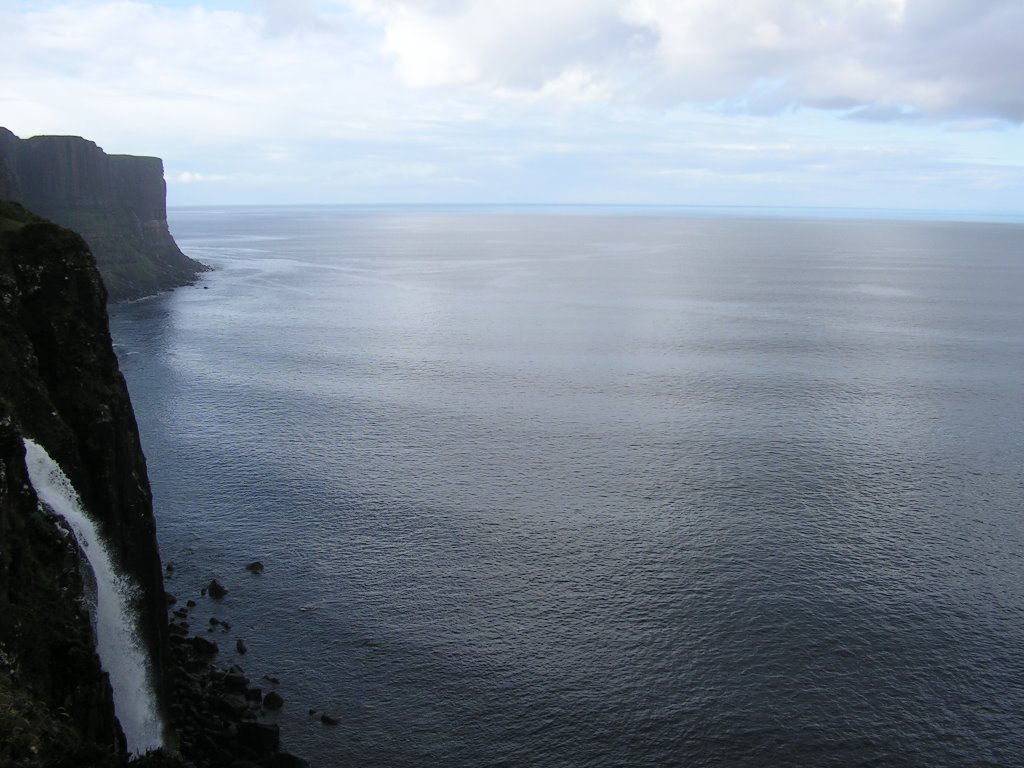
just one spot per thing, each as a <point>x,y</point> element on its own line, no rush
<point>559,487</point>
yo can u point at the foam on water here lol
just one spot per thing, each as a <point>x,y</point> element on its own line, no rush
<point>121,653</point>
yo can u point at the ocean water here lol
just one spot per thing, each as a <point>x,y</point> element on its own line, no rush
<point>577,487</point>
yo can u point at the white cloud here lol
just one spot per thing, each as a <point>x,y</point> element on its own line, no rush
<point>191,177</point>
<point>532,99</point>
<point>940,58</point>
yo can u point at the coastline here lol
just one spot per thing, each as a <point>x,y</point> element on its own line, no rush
<point>218,714</point>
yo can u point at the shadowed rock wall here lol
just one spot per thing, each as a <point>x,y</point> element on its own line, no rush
<point>116,202</point>
<point>60,385</point>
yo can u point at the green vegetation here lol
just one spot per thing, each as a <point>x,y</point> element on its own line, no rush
<point>13,216</point>
<point>35,737</point>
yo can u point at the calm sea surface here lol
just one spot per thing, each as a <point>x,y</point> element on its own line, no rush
<point>595,488</point>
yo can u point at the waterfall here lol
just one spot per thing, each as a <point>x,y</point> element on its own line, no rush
<point>121,652</point>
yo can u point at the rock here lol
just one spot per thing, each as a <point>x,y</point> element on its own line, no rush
<point>234,681</point>
<point>60,384</point>
<point>260,738</point>
<point>216,590</point>
<point>328,719</point>
<point>273,700</point>
<point>255,567</point>
<point>254,694</point>
<point>190,604</point>
<point>196,665</point>
<point>203,647</point>
<point>231,706</point>
<point>118,203</point>
<point>171,599</point>
<point>272,680</point>
<point>286,760</point>
<point>169,567</point>
<point>240,646</point>
<point>214,621</point>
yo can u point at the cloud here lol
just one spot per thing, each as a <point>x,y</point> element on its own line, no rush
<point>521,45</point>
<point>191,177</point>
<point>937,58</point>
<point>546,100</point>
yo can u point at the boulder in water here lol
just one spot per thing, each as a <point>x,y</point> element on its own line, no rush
<point>216,590</point>
<point>255,567</point>
<point>234,681</point>
<point>240,646</point>
<point>273,700</point>
<point>203,647</point>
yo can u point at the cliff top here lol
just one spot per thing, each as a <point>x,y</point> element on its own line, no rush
<point>117,203</point>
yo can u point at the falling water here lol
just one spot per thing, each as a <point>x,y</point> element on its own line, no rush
<point>121,653</point>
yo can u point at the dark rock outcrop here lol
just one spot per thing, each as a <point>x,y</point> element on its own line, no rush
<point>220,718</point>
<point>60,385</point>
<point>116,202</point>
<point>216,590</point>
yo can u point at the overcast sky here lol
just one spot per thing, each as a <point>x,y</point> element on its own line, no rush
<point>867,103</point>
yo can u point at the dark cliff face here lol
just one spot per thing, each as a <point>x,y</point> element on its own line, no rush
<point>60,384</point>
<point>116,202</point>
<point>55,700</point>
<point>10,188</point>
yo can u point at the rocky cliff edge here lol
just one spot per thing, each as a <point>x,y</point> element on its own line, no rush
<point>116,202</point>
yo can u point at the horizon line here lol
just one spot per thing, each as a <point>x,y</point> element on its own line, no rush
<point>845,212</point>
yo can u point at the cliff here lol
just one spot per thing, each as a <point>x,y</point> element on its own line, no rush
<point>116,202</point>
<point>61,386</point>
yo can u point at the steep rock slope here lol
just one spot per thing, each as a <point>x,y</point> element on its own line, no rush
<point>116,202</point>
<point>60,385</point>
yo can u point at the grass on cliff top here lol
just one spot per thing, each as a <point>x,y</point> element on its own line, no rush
<point>13,216</point>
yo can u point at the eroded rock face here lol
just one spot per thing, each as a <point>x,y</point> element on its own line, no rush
<point>116,202</point>
<point>60,385</point>
<point>56,700</point>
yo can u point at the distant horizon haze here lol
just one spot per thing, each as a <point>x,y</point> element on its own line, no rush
<point>644,209</point>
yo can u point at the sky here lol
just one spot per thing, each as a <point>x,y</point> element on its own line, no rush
<point>882,104</point>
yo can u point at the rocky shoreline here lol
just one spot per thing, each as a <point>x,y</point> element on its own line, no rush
<point>220,716</point>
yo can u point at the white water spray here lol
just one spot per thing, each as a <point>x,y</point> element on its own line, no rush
<point>121,653</point>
